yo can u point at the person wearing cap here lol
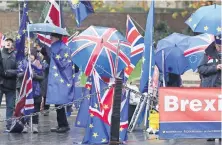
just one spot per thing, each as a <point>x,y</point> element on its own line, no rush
<point>60,89</point>
<point>8,77</point>
<point>210,66</point>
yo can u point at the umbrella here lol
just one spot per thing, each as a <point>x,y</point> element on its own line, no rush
<point>96,47</point>
<point>196,49</point>
<point>173,47</point>
<point>206,19</point>
<point>47,29</point>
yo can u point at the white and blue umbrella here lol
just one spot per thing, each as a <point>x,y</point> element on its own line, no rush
<point>206,19</point>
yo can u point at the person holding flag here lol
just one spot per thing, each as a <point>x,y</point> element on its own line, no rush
<point>61,83</point>
<point>38,76</point>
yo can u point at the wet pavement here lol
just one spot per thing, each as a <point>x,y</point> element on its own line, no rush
<point>45,137</point>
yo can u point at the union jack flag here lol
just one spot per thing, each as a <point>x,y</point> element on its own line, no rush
<point>98,46</point>
<point>25,103</point>
<point>137,43</point>
<point>100,109</point>
<point>53,17</point>
<point>196,49</point>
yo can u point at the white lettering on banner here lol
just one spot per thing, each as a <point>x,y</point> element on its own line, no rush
<point>171,104</point>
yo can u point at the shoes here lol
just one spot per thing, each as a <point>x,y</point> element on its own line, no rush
<point>60,129</point>
<point>25,129</point>
<point>46,114</point>
<point>211,139</point>
<point>35,128</point>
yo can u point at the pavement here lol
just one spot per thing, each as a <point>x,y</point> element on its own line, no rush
<point>75,136</point>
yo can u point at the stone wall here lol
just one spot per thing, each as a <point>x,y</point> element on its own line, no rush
<point>9,20</point>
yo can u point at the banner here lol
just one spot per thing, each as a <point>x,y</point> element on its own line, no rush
<point>190,113</point>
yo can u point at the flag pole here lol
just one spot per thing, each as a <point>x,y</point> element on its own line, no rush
<point>163,69</point>
<point>29,53</point>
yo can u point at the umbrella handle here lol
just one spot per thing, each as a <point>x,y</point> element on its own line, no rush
<point>117,58</point>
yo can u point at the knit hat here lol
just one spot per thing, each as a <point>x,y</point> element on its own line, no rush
<point>218,40</point>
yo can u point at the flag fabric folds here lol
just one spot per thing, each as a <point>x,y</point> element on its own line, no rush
<point>81,9</point>
<point>100,110</point>
<point>20,40</point>
<point>25,104</point>
<point>61,82</point>
<point>148,54</point>
<point>83,113</point>
<point>137,43</point>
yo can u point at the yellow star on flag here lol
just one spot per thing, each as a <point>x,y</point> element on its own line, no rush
<point>103,140</point>
<point>195,25</point>
<point>73,66</point>
<point>58,56</point>
<point>25,5</point>
<point>66,55</point>
<point>121,129</point>
<point>78,122</point>
<point>218,29</point>
<point>73,75</point>
<point>127,68</point>
<point>95,134</point>
<point>91,126</point>
<point>68,85</point>
<point>24,31</point>
<point>96,106</point>
<point>61,80</point>
<point>56,74</point>
<point>54,67</point>
<point>106,106</point>
<point>18,36</point>
<point>206,28</point>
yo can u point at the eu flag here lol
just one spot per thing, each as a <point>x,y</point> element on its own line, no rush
<point>61,82</point>
<point>20,40</point>
<point>83,113</point>
<point>100,110</point>
<point>148,54</point>
<point>81,10</point>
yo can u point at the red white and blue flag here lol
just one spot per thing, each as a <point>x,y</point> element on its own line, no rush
<point>196,49</point>
<point>54,16</point>
<point>98,46</point>
<point>137,43</point>
<point>100,109</point>
<point>25,104</point>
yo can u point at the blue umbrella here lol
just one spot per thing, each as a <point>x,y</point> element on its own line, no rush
<point>47,29</point>
<point>196,49</point>
<point>206,19</point>
<point>96,47</point>
<point>174,60</point>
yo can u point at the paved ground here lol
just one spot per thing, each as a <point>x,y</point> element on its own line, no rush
<point>45,137</point>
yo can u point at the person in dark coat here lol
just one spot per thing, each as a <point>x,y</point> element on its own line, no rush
<point>210,66</point>
<point>8,77</point>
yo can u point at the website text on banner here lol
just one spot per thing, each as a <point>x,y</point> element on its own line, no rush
<point>190,113</point>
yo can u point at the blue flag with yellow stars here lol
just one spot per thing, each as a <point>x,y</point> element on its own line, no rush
<point>20,39</point>
<point>83,113</point>
<point>81,9</point>
<point>61,82</point>
<point>100,112</point>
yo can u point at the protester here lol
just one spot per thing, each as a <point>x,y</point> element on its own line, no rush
<point>60,91</point>
<point>8,78</point>
<point>38,76</point>
<point>45,60</point>
<point>210,66</point>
